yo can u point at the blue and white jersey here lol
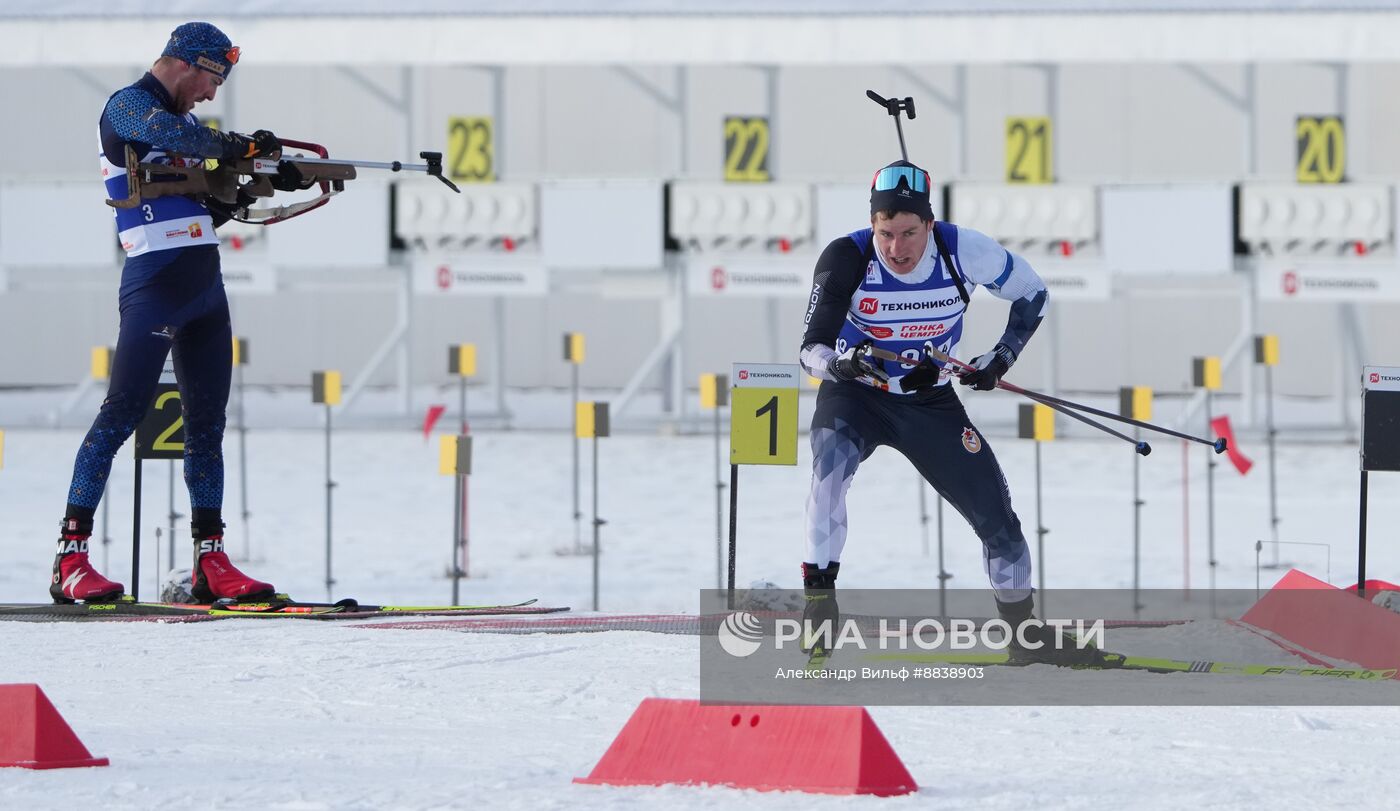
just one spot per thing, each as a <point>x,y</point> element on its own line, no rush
<point>141,116</point>
<point>856,298</point>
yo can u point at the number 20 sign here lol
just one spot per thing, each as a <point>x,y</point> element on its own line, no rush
<point>763,414</point>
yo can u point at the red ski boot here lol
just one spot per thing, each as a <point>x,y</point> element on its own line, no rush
<point>74,577</point>
<point>216,578</point>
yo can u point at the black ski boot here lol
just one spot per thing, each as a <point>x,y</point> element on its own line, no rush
<point>1045,644</point>
<point>821,613</point>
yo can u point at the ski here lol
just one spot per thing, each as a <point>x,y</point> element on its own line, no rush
<point>1150,664</point>
<point>285,608</point>
<point>283,605</point>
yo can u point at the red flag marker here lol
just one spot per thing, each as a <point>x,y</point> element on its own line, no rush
<point>430,419</point>
<point>1221,426</point>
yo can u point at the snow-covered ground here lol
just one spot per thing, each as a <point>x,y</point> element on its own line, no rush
<point>302,715</point>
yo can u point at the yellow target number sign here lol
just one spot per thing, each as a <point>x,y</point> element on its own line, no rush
<point>161,433</point>
<point>471,149</point>
<point>746,149</point>
<point>1028,150</point>
<point>1322,148</point>
<point>763,414</point>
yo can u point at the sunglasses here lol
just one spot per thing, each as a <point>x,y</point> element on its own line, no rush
<point>888,179</point>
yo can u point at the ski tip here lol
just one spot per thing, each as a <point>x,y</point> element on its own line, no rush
<point>1220,445</point>
<point>1143,448</point>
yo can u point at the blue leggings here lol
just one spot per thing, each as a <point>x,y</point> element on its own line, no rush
<point>171,302</point>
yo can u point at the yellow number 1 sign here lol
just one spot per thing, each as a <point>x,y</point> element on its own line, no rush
<point>763,414</point>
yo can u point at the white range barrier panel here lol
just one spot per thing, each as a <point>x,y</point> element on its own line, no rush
<point>351,231</point>
<point>1080,279</point>
<point>1346,219</point>
<point>590,225</point>
<point>50,224</point>
<point>480,274</point>
<point>1030,219</point>
<point>1354,280</point>
<point>730,216</point>
<point>245,275</point>
<point>488,215</point>
<point>749,275</point>
<point>1168,229</point>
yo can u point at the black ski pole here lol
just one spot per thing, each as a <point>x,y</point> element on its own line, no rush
<point>1219,445</point>
<point>1141,447</point>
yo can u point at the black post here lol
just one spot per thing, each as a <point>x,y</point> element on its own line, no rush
<point>106,533</point>
<point>578,514</point>
<point>1273,482</point>
<point>1040,532</point>
<point>1210,508</point>
<point>923,513</point>
<point>943,576</point>
<point>597,523</point>
<point>719,505</point>
<point>243,468</point>
<point>733,527</point>
<point>456,534</point>
<point>1259,546</point>
<point>1137,529</point>
<point>173,515</point>
<point>459,558</point>
<point>329,486</point>
<point>136,537</point>
<point>462,401</point>
<point>1361,541</point>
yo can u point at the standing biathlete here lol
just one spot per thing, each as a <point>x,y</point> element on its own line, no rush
<point>172,302</point>
<point>900,286</point>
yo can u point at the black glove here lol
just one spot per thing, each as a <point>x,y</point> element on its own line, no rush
<point>855,363</point>
<point>261,144</point>
<point>989,368</point>
<point>289,177</point>
<point>923,376</point>
<point>221,212</point>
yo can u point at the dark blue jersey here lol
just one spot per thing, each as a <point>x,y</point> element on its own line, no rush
<point>142,116</point>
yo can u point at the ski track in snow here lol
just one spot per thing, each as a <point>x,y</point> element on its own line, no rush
<point>303,715</point>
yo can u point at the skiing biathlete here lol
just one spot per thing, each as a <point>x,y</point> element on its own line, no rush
<point>172,301</point>
<point>901,285</point>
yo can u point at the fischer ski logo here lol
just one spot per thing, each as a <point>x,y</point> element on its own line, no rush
<point>971,441</point>
<point>740,634</point>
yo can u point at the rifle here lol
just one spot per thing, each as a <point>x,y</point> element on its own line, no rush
<point>227,181</point>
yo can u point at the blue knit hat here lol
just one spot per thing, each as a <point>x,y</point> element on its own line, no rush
<point>204,46</point>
